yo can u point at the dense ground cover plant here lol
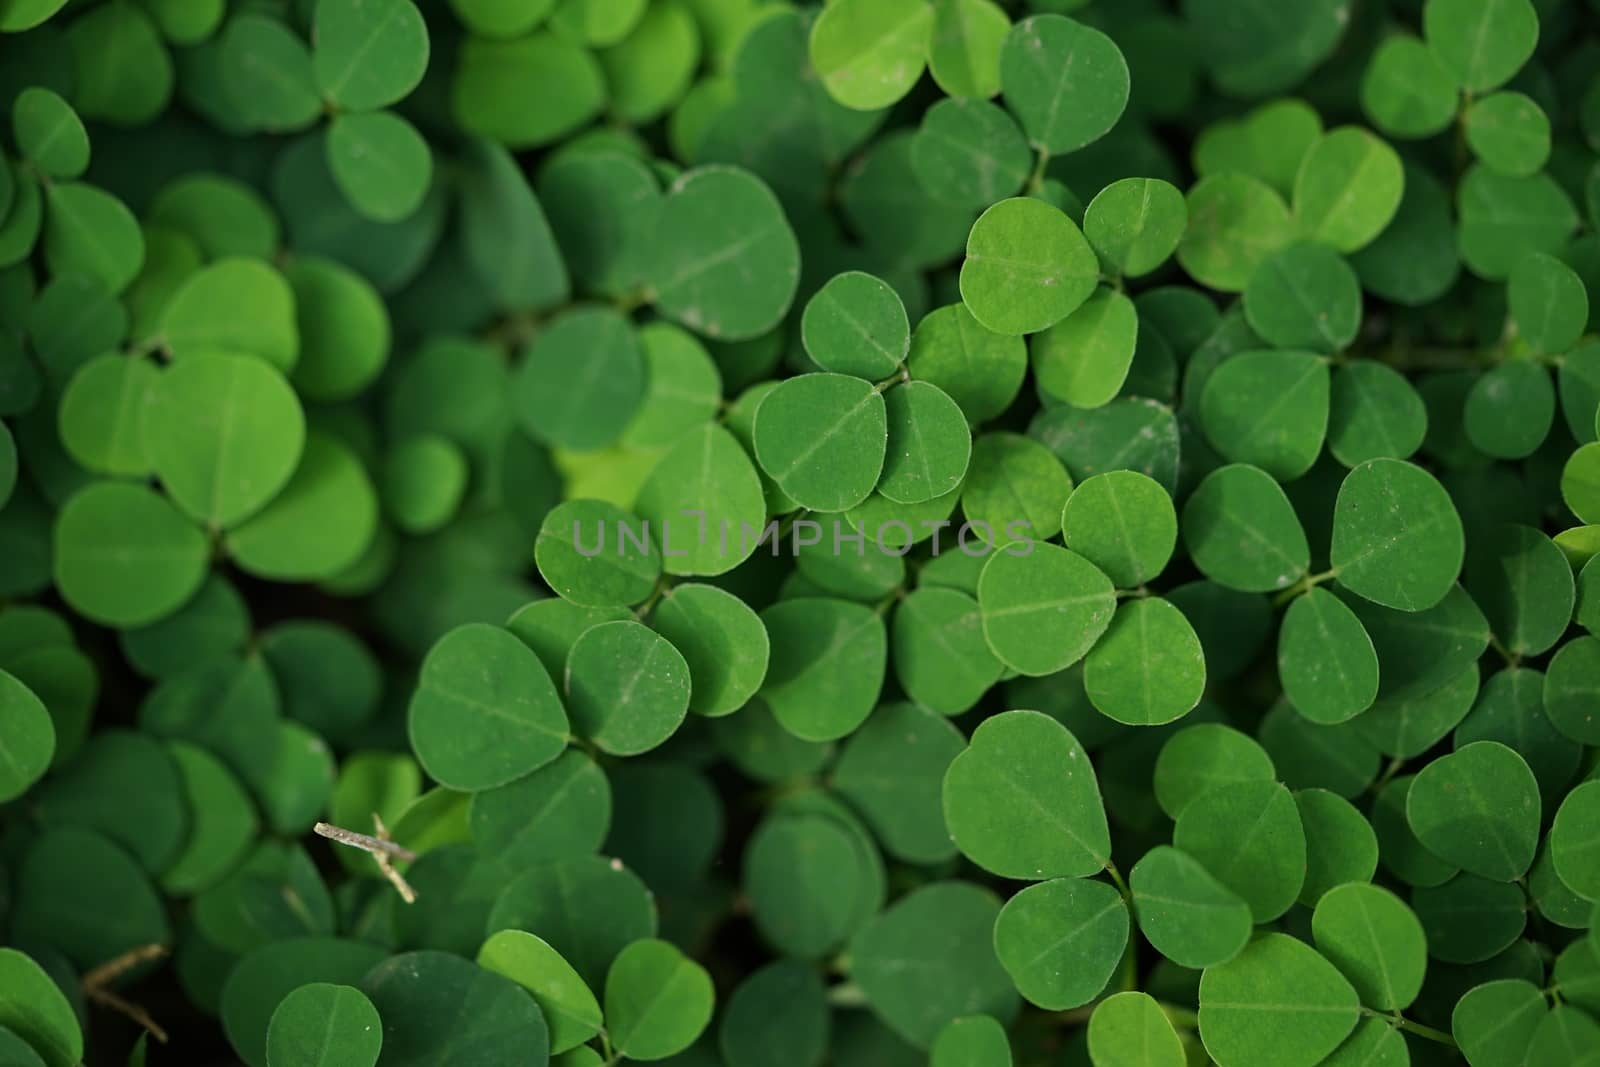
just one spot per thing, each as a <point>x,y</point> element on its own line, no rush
<point>880,533</point>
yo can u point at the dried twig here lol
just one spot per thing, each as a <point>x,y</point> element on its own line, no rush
<point>383,850</point>
<point>96,981</point>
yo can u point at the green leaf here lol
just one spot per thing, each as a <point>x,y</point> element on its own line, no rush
<point>1326,659</point>
<point>1197,758</point>
<point>49,133</point>
<point>1341,846</point>
<point>1236,222</point>
<point>440,1008</point>
<point>1148,669</point>
<point>929,445</point>
<point>235,305</point>
<point>1277,1000</point>
<point>264,977</point>
<point>1015,491</point>
<point>856,324</point>
<point>1028,265</point>
<point>940,655</point>
<point>1084,359</point>
<point>721,258</point>
<point>657,1001</point>
<point>559,811</point>
<point>266,74</point>
<point>1575,840</point>
<point>1129,1029</point>
<point>703,503</point>
<point>322,1024</point>
<point>222,825</point>
<point>777,1016</point>
<point>1124,523</point>
<point>1510,410</point>
<point>1503,218</point>
<point>981,370</point>
<point>1269,409</point>
<point>869,53</point>
<point>1189,916</point>
<point>930,959</point>
<point>28,742</point>
<point>1481,44</point>
<point>588,573</point>
<point>1307,297</point>
<point>319,524</point>
<point>1022,801</point>
<point>969,151</point>
<point>526,91</point>
<point>1135,224</point>
<point>381,163</point>
<point>1249,836</point>
<point>808,877</point>
<point>581,381</point>
<point>827,667</point>
<point>1373,413</point>
<point>570,1009</point>
<point>1494,1022</point>
<point>627,688</point>
<point>124,556</point>
<point>1043,610</point>
<point>1065,81</point>
<point>1349,187</point>
<point>723,641</point>
<point>224,433</point>
<point>485,712</point>
<point>89,231</point>
<point>1060,941</point>
<point>1508,133</point>
<point>1242,532</point>
<point>368,54</point>
<point>964,48</point>
<point>1406,90</point>
<point>1478,808</point>
<point>618,910</point>
<point>1548,303</point>
<point>33,1008</point>
<point>892,771</point>
<point>822,438</point>
<point>1397,539</point>
<point>1375,940</point>
<point>74,890</point>
<point>973,1041</point>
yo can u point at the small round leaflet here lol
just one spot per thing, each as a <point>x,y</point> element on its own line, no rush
<point>657,1001</point>
<point>1043,611</point>
<point>823,439</point>
<point>1028,267</point>
<point>485,713</point>
<point>1397,539</point>
<point>1067,82</point>
<point>1276,1002</point>
<point>322,1024</point>
<point>722,259</point>
<point>869,53</point>
<point>1022,801</point>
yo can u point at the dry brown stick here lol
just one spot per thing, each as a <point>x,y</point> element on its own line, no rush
<point>96,981</point>
<point>383,850</point>
<point>376,845</point>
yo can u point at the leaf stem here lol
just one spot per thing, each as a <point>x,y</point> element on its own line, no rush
<point>1036,179</point>
<point>1427,1032</point>
<point>1304,585</point>
<point>1116,880</point>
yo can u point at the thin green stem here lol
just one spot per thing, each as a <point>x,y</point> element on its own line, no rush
<point>1427,1032</point>
<point>1036,179</point>
<point>1116,880</point>
<point>1304,585</point>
